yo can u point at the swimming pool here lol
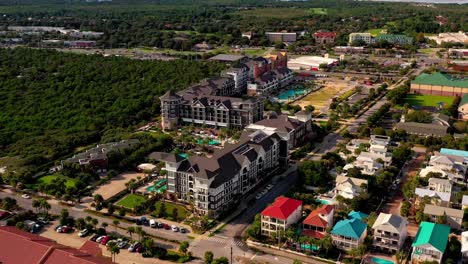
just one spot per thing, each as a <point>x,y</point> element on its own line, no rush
<point>291,94</point>
<point>159,187</point>
<point>322,201</point>
<point>211,142</point>
<point>381,261</point>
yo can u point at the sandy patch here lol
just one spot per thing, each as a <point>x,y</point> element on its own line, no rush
<point>322,98</point>
<point>116,185</point>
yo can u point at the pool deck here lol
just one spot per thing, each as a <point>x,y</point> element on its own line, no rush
<point>143,189</point>
<point>369,257</point>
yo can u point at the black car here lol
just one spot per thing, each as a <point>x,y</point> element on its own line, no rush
<point>138,222</point>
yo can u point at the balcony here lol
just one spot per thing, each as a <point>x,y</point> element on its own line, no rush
<point>387,236</point>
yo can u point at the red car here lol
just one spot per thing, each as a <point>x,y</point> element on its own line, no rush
<point>139,249</point>
<point>105,240</point>
<point>66,229</point>
<point>166,226</point>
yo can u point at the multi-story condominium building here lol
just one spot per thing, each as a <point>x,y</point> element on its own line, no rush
<point>240,75</point>
<point>430,243</point>
<point>453,217</point>
<point>318,221</point>
<point>270,82</point>
<point>323,38</point>
<point>366,37</point>
<point>296,130</point>
<point>280,37</point>
<point>349,187</point>
<point>348,234</point>
<point>280,215</point>
<point>215,184</point>
<point>390,232</point>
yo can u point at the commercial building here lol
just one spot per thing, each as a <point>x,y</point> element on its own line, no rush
<point>456,37</point>
<point>430,243</point>
<point>17,246</point>
<point>280,37</point>
<point>350,50</point>
<point>366,37</point>
<point>280,215</point>
<point>439,84</point>
<point>215,184</point>
<point>390,232</point>
<point>458,53</point>
<point>324,38</point>
<point>310,63</point>
<point>394,39</point>
<point>348,234</point>
<point>423,129</point>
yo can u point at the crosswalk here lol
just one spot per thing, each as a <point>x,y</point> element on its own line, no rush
<point>226,242</point>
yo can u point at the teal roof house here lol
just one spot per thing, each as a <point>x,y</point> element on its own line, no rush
<point>430,242</point>
<point>348,234</point>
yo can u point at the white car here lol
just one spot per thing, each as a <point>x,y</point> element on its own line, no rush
<point>152,223</point>
<point>264,192</point>
<point>174,228</point>
<point>99,239</point>
<point>26,196</point>
<point>269,186</point>
<point>83,232</point>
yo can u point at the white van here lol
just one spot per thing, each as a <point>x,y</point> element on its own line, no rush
<point>153,223</point>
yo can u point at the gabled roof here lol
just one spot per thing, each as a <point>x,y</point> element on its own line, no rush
<point>441,79</point>
<point>357,215</point>
<point>313,233</point>
<point>166,157</point>
<point>433,234</point>
<point>282,208</point>
<point>353,181</point>
<point>352,228</point>
<point>314,219</point>
<point>443,196</point>
<point>431,209</point>
<point>389,222</point>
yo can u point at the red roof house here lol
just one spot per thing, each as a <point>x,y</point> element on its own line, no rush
<point>17,246</point>
<point>280,215</point>
<point>322,37</point>
<point>319,219</point>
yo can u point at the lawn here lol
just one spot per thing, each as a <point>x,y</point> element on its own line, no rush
<point>281,13</point>
<point>319,11</point>
<point>427,100</point>
<point>181,211</point>
<point>375,31</point>
<point>131,201</point>
<point>48,179</point>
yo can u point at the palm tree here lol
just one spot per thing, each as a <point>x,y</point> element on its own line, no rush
<point>130,231</point>
<point>139,232</point>
<point>116,224</point>
<point>114,249</point>
<point>326,243</point>
<point>36,204</point>
<point>147,244</point>
<point>94,222</point>
<point>45,205</point>
<point>104,225</point>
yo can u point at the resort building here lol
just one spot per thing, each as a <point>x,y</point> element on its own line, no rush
<point>430,243</point>
<point>348,234</point>
<point>270,82</point>
<point>394,39</point>
<point>240,75</point>
<point>349,187</point>
<point>366,37</point>
<point>452,217</point>
<point>280,37</point>
<point>463,108</point>
<point>318,221</point>
<point>280,215</point>
<point>296,130</point>
<point>439,84</point>
<point>216,184</point>
<point>390,232</point>
<point>324,38</point>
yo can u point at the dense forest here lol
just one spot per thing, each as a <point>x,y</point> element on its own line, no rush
<point>179,24</point>
<point>51,102</point>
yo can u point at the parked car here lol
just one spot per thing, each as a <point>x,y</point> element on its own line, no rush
<point>58,229</point>
<point>105,240</point>
<point>122,244</point>
<point>166,226</point>
<point>258,196</point>
<point>4,214</point>
<point>269,186</point>
<point>26,196</point>
<point>139,249</point>
<point>66,229</point>
<point>183,230</point>
<point>42,221</point>
<point>133,247</point>
<point>94,237</point>
<point>174,228</point>
<point>99,239</point>
<point>83,233</point>
<point>138,222</point>
<point>160,225</point>
<point>153,223</point>
<point>144,221</point>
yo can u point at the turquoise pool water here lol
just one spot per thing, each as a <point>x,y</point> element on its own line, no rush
<point>291,94</point>
<point>211,142</point>
<point>322,201</point>
<point>158,187</point>
<point>381,261</point>
<point>183,155</point>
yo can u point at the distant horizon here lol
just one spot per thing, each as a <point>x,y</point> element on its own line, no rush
<point>425,1</point>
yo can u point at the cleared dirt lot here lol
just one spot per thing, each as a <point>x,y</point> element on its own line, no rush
<point>321,99</point>
<point>116,185</point>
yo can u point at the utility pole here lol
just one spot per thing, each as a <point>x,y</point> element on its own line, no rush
<point>231,256</point>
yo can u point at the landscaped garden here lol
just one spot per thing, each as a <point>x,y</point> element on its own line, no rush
<point>170,211</point>
<point>46,180</point>
<point>131,201</point>
<point>427,100</point>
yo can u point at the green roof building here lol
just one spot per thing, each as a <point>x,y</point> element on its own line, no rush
<point>439,84</point>
<point>349,233</point>
<point>394,39</point>
<point>430,242</point>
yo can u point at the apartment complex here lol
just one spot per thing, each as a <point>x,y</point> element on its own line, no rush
<point>280,215</point>
<point>390,38</point>
<point>217,101</point>
<point>390,232</point>
<point>430,243</point>
<point>215,184</point>
<point>366,37</point>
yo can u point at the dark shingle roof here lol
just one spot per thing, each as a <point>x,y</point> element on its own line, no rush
<point>423,129</point>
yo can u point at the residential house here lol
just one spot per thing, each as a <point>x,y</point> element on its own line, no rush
<point>464,246</point>
<point>280,215</point>
<point>357,215</point>
<point>390,232</point>
<point>348,234</point>
<point>318,221</point>
<point>349,187</point>
<point>324,38</point>
<point>440,185</point>
<point>296,130</point>
<point>463,108</point>
<point>356,143</point>
<point>451,164</point>
<point>453,217</point>
<point>216,184</point>
<point>430,243</point>
<point>435,197</point>
<point>367,165</point>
